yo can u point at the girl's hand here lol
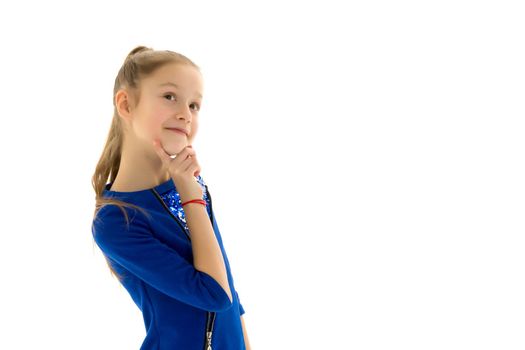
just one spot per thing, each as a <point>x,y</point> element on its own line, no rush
<point>182,169</point>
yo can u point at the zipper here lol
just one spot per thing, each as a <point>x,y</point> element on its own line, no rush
<point>209,330</point>
<point>210,319</point>
<point>211,315</point>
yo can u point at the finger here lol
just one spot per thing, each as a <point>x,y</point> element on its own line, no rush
<point>197,169</point>
<point>194,169</point>
<point>188,163</point>
<point>187,153</point>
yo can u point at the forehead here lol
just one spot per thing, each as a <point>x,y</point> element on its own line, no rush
<point>185,77</point>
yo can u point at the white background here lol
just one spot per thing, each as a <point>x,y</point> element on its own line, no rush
<point>366,161</point>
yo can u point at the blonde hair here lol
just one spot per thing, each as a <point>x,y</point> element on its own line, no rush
<point>141,62</point>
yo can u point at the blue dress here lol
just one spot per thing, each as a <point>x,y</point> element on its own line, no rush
<point>183,308</point>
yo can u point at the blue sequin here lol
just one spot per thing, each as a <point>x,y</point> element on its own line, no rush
<point>172,200</point>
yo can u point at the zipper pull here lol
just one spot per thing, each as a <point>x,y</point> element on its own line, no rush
<point>209,340</point>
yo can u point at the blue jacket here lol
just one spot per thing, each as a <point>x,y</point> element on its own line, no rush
<point>183,308</point>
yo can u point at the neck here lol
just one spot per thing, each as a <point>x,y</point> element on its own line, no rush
<point>138,170</point>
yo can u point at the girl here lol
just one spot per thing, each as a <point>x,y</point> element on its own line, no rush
<point>154,221</point>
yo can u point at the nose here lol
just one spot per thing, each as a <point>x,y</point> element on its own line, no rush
<point>185,114</point>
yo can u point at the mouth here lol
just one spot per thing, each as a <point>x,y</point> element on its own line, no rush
<point>178,131</point>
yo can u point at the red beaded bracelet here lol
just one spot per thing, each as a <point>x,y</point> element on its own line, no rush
<point>201,201</point>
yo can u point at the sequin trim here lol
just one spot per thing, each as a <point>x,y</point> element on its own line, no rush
<point>172,200</point>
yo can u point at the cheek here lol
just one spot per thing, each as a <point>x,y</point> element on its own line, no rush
<point>154,122</point>
<point>194,129</point>
<point>149,127</point>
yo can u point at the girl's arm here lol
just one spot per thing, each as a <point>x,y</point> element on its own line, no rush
<point>246,341</point>
<point>207,254</point>
<point>132,245</point>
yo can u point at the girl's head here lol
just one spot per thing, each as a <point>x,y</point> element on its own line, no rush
<point>154,90</point>
<point>159,91</point>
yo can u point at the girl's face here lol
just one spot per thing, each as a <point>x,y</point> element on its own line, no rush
<point>170,97</point>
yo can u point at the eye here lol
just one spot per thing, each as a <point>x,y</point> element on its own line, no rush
<point>167,95</point>
<point>171,94</point>
<point>198,106</point>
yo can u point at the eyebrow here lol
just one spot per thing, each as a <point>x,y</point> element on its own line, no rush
<point>173,84</point>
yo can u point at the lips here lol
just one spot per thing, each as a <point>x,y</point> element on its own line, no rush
<point>179,130</point>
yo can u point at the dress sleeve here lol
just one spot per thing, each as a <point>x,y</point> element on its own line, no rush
<point>241,309</point>
<point>157,264</point>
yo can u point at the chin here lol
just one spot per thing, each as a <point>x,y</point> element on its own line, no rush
<point>175,147</point>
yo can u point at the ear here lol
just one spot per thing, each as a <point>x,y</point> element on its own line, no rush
<point>123,105</point>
